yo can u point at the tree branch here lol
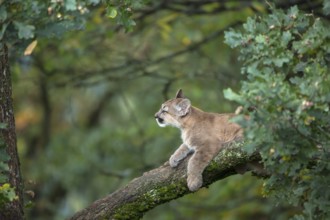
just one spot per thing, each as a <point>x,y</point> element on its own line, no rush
<point>161,185</point>
<point>133,68</point>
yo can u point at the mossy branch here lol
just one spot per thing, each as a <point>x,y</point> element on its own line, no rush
<point>163,184</point>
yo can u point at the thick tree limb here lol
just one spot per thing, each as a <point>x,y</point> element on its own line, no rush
<point>161,185</point>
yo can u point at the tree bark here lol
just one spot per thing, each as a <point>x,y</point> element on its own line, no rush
<point>163,184</point>
<point>12,210</point>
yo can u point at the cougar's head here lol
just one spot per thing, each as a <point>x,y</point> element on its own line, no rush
<point>173,110</point>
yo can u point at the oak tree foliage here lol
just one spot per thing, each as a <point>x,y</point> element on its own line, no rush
<point>286,57</point>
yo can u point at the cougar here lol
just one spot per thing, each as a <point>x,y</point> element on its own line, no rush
<point>203,134</point>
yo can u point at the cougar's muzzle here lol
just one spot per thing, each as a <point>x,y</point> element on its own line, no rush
<point>160,121</point>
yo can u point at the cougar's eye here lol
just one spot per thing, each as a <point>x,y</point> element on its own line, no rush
<point>164,109</point>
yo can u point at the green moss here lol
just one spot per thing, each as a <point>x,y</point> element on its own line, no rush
<point>213,166</point>
<point>149,200</point>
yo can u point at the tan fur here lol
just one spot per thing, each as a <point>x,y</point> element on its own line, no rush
<point>203,134</point>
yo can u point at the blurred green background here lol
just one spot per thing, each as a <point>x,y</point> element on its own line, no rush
<point>85,103</point>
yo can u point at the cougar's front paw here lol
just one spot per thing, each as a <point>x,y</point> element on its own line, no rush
<point>173,161</point>
<point>194,182</point>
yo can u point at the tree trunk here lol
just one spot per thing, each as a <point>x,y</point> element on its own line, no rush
<point>161,185</point>
<point>12,210</point>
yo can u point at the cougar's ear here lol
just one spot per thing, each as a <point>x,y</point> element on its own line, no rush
<point>179,94</point>
<point>183,107</point>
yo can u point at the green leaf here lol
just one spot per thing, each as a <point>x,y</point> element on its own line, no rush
<point>3,168</point>
<point>286,37</point>
<point>293,12</point>
<point>4,156</point>
<point>326,7</point>
<point>111,12</point>
<point>59,28</point>
<point>230,95</point>
<point>7,194</point>
<point>3,178</point>
<point>280,61</point>
<point>3,30</point>
<point>250,25</point>
<point>3,125</point>
<point>3,14</point>
<point>261,39</point>
<point>25,31</point>
<point>233,39</point>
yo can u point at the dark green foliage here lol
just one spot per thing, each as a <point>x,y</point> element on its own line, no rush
<point>326,7</point>
<point>286,59</point>
<point>24,20</point>
<point>122,11</point>
<point>7,194</point>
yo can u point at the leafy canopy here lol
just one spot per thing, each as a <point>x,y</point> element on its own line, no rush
<point>286,59</point>
<point>22,21</point>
